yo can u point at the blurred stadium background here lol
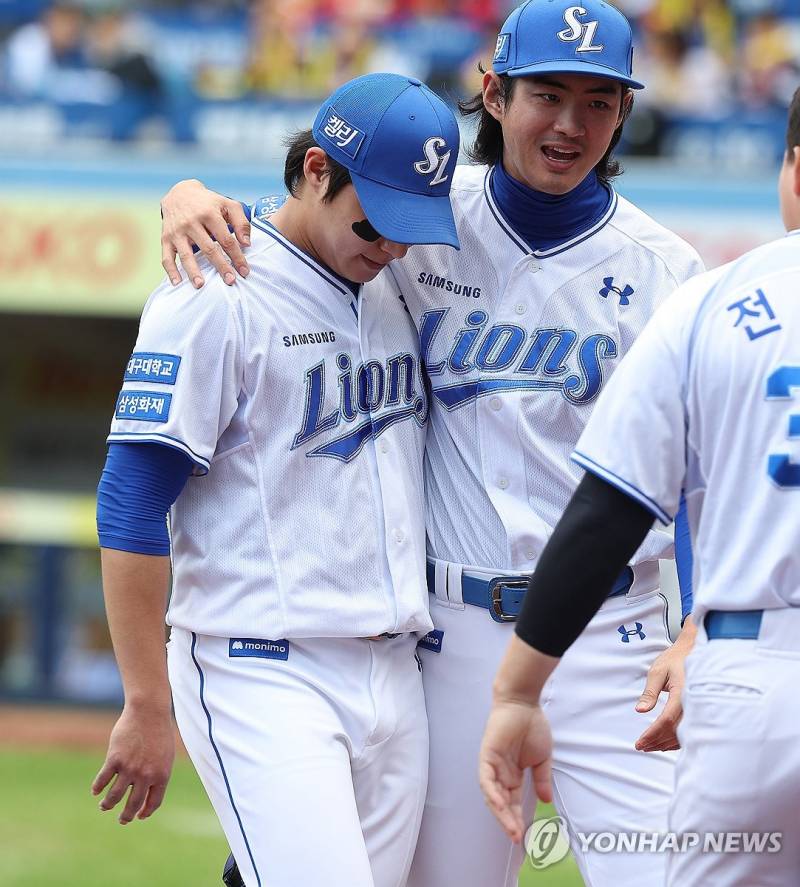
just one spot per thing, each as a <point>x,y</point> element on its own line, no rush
<point>104,104</point>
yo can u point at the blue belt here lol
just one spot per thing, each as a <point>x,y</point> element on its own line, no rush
<point>502,596</point>
<point>728,624</point>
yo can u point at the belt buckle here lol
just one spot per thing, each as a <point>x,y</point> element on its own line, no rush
<point>496,587</point>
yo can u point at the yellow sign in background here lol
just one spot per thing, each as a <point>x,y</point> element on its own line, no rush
<point>78,254</point>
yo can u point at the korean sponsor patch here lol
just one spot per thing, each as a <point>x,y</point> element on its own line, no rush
<point>266,206</point>
<point>143,406</point>
<point>258,648</point>
<point>346,137</point>
<point>148,366</point>
<point>501,48</point>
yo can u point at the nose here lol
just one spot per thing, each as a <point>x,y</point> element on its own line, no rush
<point>395,250</point>
<point>569,122</point>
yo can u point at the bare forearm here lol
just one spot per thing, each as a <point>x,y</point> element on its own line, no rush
<point>135,587</point>
<point>522,673</point>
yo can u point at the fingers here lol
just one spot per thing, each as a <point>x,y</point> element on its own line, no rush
<point>103,777</point>
<point>136,799</point>
<point>543,780</point>
<point>212,251</point>
<point>662,734</point>
<point>154,799</point>
<point>237,220</point>
<point>116,793</point>
<point>656,678</point>
<point>189,262</point>
<point>168,253</point>
<point>499,800</point>
<point>230,246</point>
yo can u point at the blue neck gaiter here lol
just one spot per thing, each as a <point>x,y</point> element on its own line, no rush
<point>543,220</point>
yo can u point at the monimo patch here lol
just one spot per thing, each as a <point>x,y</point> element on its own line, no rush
<point>432,641</point>
<point>258,648</point>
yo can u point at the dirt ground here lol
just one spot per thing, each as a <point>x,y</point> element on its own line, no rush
<point>56,727</point>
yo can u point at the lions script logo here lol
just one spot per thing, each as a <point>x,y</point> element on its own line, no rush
<point>433,162</point>
<point>577,30</point>
<point>536,361</point>
<point>370,397</point>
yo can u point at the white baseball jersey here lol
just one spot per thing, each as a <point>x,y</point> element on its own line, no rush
<point>708,400</point>
<point>517,346</point>
<point>304,413</point>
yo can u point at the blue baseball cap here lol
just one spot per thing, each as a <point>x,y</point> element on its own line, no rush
<point>556,37</point>
<point>399,142</point>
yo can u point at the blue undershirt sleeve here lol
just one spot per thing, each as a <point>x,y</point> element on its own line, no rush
<point>684,560</point>
<point>139,484</point>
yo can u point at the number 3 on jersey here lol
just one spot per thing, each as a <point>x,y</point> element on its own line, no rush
<point>780,467</point>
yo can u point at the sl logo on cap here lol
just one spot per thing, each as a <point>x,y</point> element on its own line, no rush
<point>577,30</point>
<point>433,161</point>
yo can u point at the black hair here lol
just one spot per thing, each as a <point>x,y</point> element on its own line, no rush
<point>488,145</point>
<point>297,146</point>
<point>793,125</point>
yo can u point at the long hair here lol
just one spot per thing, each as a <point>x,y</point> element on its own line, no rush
<point>297,145</point>
<point>488,144</point>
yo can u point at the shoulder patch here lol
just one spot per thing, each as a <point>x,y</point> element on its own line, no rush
<point>143,406</point>
<point>266,206</point>
<point>149,366</point>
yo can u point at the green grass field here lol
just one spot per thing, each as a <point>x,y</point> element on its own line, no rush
<point>51,832</point>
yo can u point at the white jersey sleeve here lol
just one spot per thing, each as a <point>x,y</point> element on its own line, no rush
<point>706,401</point>
<point>181,385</point>
<point>627,429</point>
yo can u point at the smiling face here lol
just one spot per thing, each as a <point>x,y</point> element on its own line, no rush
<point>556,127</point>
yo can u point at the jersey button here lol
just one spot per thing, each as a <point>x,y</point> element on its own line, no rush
<point>399,536</point>
<point>384,447</point>
<point>496,404</point>
<point>534,267</point>
<point>503,483</point>
<point>530,554</point>
<point>521,308</point>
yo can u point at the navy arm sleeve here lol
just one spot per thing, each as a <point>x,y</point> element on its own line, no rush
<point>684,559</point>
<point>139,484</point>
<point>597,535</point>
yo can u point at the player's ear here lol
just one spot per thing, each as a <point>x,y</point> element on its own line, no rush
<point>794,161</point>
<point>493,99</point>
<point>315,171</point>
<point>625,106</point>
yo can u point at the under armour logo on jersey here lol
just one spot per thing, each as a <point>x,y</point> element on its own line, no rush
<point>627,634</point>
<point>577,30</point>
<point>433,162</point>
<point>624,294</point>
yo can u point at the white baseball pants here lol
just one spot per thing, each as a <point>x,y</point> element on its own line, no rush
<point>316,766</point>
<point>739,770</point>
<point>601,782</point>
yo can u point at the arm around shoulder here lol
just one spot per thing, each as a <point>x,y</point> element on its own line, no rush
<point>193,216</point>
